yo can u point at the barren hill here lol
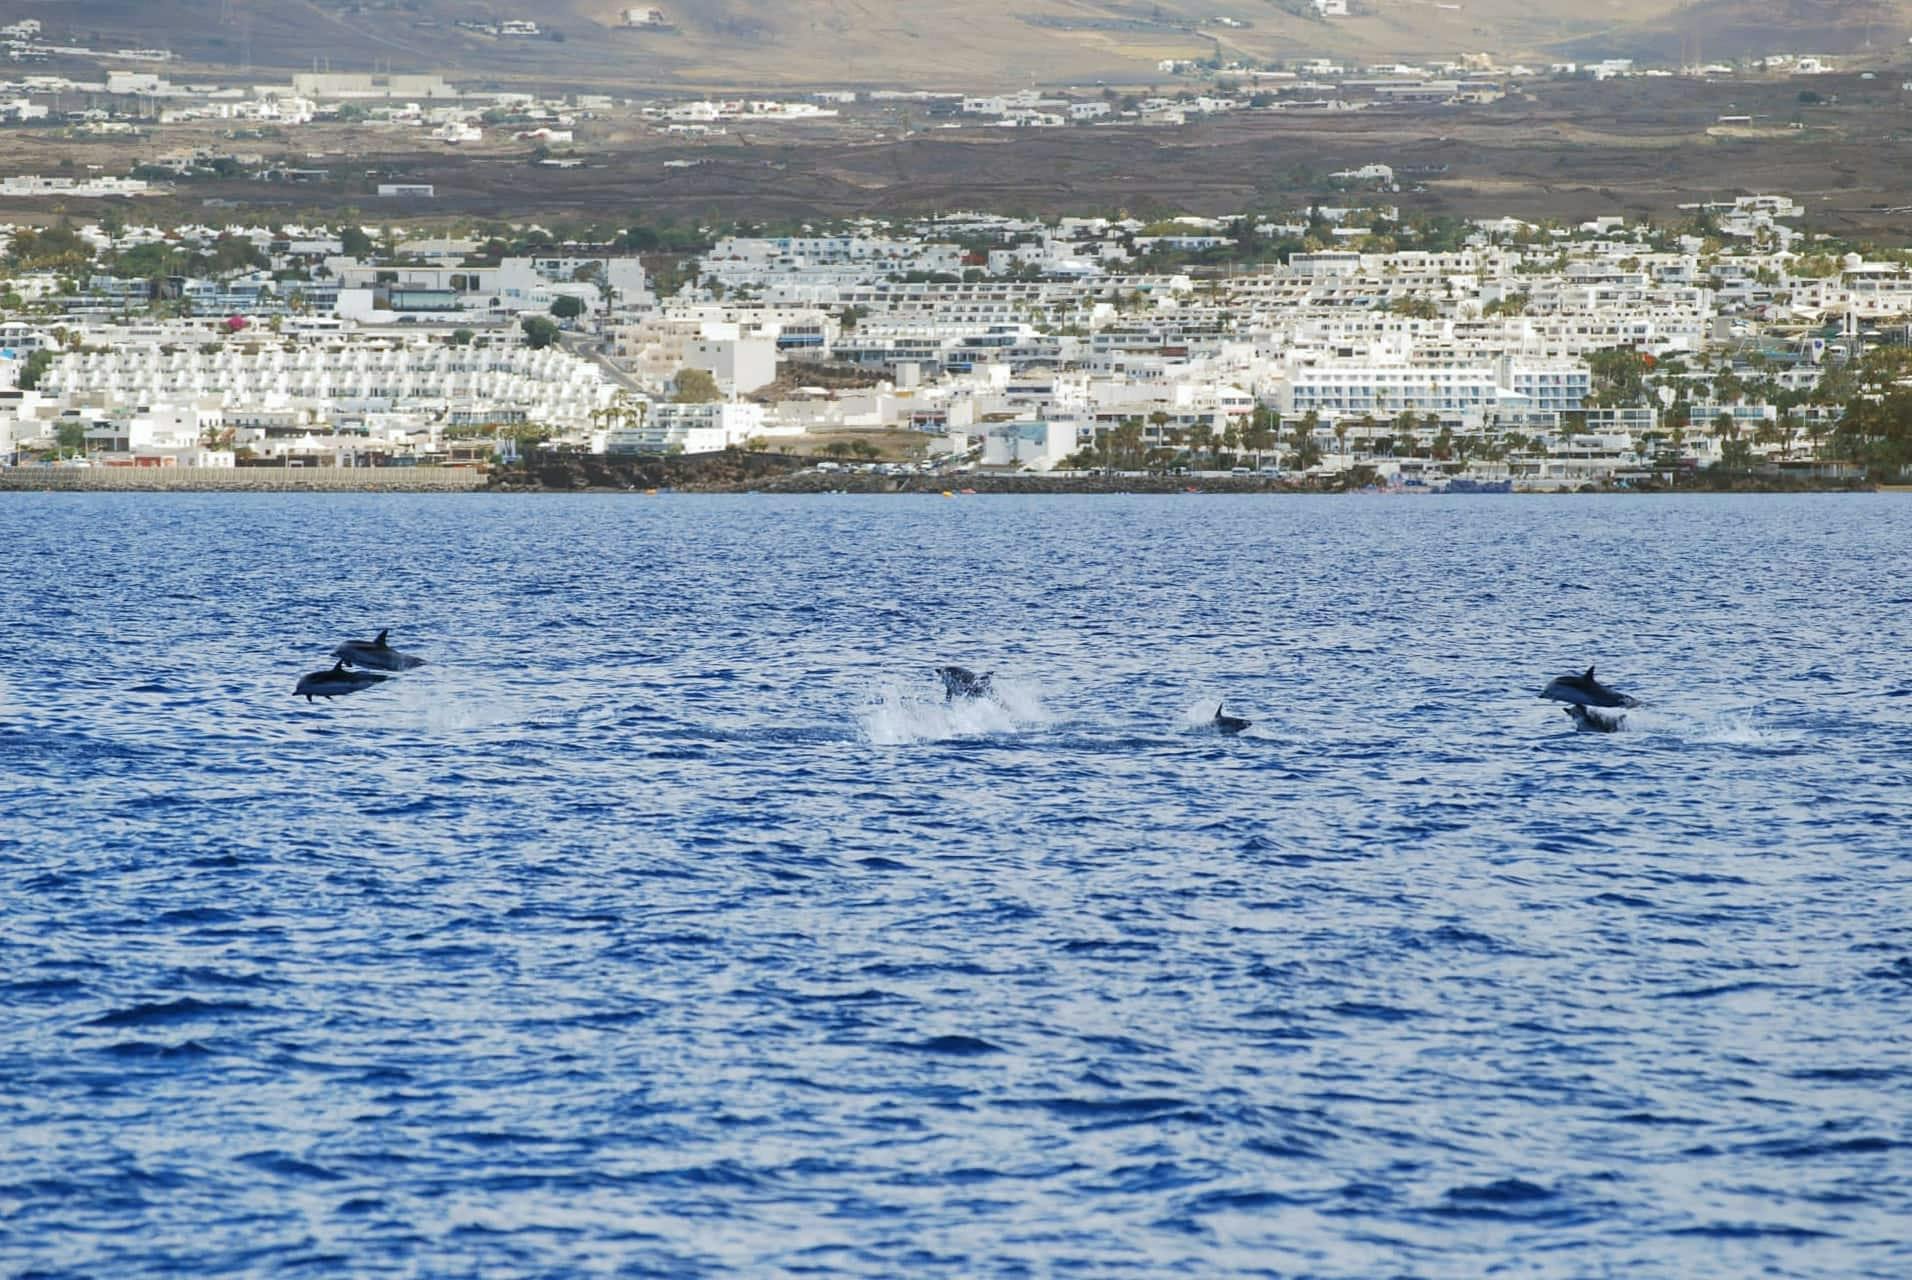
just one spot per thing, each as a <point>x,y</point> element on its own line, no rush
<point>939,43</point>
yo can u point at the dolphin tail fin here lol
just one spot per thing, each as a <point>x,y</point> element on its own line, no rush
<point>379,641</point>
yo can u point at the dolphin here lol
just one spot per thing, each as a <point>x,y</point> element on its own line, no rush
<point>961,682</point>
<point>1585,691</point>
<point>376,654</point>
<point>1594,720</point>
<point>1230,725</point>
<point>336,683</point>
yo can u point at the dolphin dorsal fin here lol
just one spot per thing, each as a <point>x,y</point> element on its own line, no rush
<point>1218,710</point>
<point>338,668</point>
<point>378,642</point>
<point>1589,672</point>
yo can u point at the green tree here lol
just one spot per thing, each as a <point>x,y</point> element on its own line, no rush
<point>1262,432</point>
<point>1875,429</point>
<point>695,386</point>
<point>56,248</point>
<point>1159,419</point>
<point>1619,377</point>
<point>1203,438</point>
<point>567,306</point>
<point>1306,449</point>
<point>539,332</point>
<point>233,254</point>
<point>355,242</point>
<point>35,367</point>
<point>1125,443</point>
<point>462,337</point>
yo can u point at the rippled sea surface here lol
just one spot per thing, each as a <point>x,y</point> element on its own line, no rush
<point>668,923</point>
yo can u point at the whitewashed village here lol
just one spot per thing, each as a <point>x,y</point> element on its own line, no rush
<point>1324,347</point>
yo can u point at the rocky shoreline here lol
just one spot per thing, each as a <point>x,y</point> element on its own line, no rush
<point>736,471</point>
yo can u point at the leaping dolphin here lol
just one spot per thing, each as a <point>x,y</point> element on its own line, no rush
<point>1230,725</point>
<point>1585,691</point>
<point>1594,720</point>
<point>376,654</point>
<point>961,682</point>
<point>336,683</point>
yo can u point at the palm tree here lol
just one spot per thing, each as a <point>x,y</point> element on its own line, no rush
<point>1204,438</point>
<point>1788,427</point>
<point>1767,433</point>
<point>1261,434</point>
<point>1405,427</point>
<point>1816,432</point>
<point>1307,453</point>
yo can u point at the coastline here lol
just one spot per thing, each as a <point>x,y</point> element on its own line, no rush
<point>736,472</point>
<point>241,479</point>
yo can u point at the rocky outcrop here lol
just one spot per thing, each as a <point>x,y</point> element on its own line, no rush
<point>732,469</point>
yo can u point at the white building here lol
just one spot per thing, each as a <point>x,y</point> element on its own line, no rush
<point>740,364</point>
<point>1032,446</point>
<point>689,428</point>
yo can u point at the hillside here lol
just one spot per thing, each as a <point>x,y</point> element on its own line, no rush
<point>939,43</point>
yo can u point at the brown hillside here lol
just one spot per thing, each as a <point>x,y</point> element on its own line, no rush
<point>941,43</point>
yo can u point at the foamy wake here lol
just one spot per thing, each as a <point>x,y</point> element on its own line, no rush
<point>1729,728</point>
<point>905,715</point>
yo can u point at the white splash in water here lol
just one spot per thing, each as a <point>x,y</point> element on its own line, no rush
<point>906,715</point>
<point>1199,716</point>
<point>1730,729</point>
<point>423,703</point>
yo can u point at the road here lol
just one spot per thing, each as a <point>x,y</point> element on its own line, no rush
<point>585,347</point>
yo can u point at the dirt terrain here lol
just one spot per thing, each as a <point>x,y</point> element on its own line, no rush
<point>1567,150</point>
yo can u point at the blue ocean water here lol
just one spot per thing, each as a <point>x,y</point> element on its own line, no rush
<point>668,923</point>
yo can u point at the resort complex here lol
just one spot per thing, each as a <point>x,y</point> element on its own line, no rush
<point>1320,344</point>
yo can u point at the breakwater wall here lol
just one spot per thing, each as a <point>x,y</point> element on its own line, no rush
<point>245,479</point>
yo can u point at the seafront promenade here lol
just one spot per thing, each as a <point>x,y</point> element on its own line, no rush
<point>246,479</point>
